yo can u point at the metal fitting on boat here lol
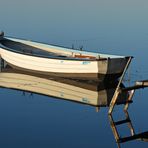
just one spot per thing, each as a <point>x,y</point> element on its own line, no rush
<point>1,35</point>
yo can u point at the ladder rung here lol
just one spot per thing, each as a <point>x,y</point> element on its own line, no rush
<point>132,88</point>
<point>122,122</point>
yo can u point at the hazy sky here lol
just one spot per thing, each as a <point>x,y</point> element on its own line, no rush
<point>106,24</point>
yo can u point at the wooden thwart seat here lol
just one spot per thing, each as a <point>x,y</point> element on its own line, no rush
<point>85,56</point>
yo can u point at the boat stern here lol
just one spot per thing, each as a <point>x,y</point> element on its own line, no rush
<point>112,68</point>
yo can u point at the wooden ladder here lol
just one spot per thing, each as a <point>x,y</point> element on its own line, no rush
<point>131,90</point>
<point>117,91</point>
<point>114,128</point>
<point>143,136</point>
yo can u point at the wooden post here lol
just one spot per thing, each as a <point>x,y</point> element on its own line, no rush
<point>129,99</point>
<point>142,83</point>
<point>114,129</point>
<point>117,91</point>
<point>130,125</point>
<point>1,64</point>
<point>97,109</point>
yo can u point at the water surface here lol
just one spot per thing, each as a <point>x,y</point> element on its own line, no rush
<point>116,27</point>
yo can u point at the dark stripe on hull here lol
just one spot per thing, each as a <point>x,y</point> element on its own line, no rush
<point>82,76</point>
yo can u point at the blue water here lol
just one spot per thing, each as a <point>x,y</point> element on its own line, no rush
<point>115,27</point>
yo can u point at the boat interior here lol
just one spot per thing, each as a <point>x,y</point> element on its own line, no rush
<point>30,50</point>
<point>50,51</point>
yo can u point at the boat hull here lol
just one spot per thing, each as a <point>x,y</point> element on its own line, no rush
<point>98,69</point>
<point>83,76</point>
<point>15,53</point>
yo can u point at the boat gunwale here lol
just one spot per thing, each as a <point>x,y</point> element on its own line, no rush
<point>51,57</point>
<point>60,58</point>
<point>104,55</point>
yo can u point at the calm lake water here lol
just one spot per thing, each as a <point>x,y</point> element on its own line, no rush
<point>115,27</point>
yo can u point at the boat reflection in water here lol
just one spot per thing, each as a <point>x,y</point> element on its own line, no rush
<point>87,92</point>
<point>92,93</point>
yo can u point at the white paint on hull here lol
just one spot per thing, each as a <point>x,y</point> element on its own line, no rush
<point>49,65</point>
<point>112,65</point>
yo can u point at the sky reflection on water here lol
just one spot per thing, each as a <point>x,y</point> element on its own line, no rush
<point>116,27</point>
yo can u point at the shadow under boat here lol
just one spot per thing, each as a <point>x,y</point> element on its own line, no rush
<point>93,93</point>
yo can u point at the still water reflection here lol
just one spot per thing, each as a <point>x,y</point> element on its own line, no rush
<point>90,93</point>
<point>143,136</point>
<point>87,92</point>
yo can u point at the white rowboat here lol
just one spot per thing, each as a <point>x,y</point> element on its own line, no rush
<point>60,61</point>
